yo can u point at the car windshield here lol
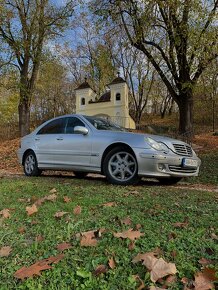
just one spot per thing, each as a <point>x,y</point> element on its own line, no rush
<point>103,124</point>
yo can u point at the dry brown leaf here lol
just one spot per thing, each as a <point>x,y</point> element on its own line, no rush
<point>5,213</point>
<point>67,199</point>
<point>214,236</point>
<point>35,269</point>
<point>161,269</point>
<point>109,204</point>
<point>142,284</point>
<point>156,288</point>
<point>88,241</point>
<point>100,269</point>
<point>158,267</point>
<point>205,262</point>
<point>180,225</point>
<point>127,221</point>
<point>170,280</point>
<point>138,226</point>
<point>51,197</point>
<point>21,230</point>
<point>89,238</point>
<point>77,210</point>
<point>111,263</point>
<point>129,234</point>
<point>39,238</point>
<point>53,190</point>
<point>5,251</point>
<point>131,246</point>
<point>64,246</point>
<point>204,280</point>
<point>31,209</point>
<point>60,214</point>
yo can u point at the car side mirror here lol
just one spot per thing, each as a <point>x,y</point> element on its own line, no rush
<point>81,130</point>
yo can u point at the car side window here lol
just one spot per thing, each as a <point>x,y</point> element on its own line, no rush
<point>72,122</point>
<point>54,127</point>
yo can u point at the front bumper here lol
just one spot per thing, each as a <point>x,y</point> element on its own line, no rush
<point>160,164</point>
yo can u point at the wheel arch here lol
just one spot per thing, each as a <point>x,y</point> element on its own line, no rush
<point>112,146</point>
<point>25,154</point>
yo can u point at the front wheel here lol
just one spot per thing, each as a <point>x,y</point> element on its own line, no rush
<point>120,166</point>
<point>30,165</point>
<point>169,180</point>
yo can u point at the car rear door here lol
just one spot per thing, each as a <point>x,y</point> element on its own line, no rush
<point>75,149</point>
<point>47,142</point>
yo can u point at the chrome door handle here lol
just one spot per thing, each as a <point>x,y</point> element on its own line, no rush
<point>37,139</point>
<point>59,139</point>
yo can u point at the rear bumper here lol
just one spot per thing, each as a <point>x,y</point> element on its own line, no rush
<point>155,164</point>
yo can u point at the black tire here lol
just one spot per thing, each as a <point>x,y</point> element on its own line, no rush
<point>80,174</point>
<point>120,166</point>
<point>169,180</point>
<point>30,165</point>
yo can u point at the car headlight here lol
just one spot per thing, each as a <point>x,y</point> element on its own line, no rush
<point>156,145</point>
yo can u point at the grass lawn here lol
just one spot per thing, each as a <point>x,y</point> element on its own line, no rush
<point>178,224</point>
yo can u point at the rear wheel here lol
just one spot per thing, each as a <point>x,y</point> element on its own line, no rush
<point>30,165</point>
<point>169,180</point>
<point>80,174</point>
<point>120,166</point>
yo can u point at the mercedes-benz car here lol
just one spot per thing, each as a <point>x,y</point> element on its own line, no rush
<point>85,144</point>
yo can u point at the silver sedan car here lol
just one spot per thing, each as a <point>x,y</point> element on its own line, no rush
<point>84,144</point>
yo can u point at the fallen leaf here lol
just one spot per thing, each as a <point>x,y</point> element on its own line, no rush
<point>158,267</point>
<point>142,284</point>
<point>77,210</point>
<point>129,234</point>
<point>26,272</point>
<point>5,213</point>
<point>204,280</point>
<point>170,280</point>
<point>5,251</point>
<point>51,197</point>
<point>180,225</point>
<point>64,246</point>
<point>131,246</point>
<point>21,230</point>
<point>214,236</point>
<point>67,199</point>
<point>39,238</point>
<point>205,262</point>
<point>88,241</point>
<point>111,263</point>
<point>53,190</point>
<point>127,221</point>
<point>31,209</point>
<point>109,204</point>
<point>60,214</point>
<point>100,269</point>
<point>138,226</point>
<point>156,288</point>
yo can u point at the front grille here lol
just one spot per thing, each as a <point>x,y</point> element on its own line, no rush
<point>183,149</point>
<point>181,169</point>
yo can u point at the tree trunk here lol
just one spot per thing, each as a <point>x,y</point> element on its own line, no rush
<point>186,116</point>
<point>24,117</point>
